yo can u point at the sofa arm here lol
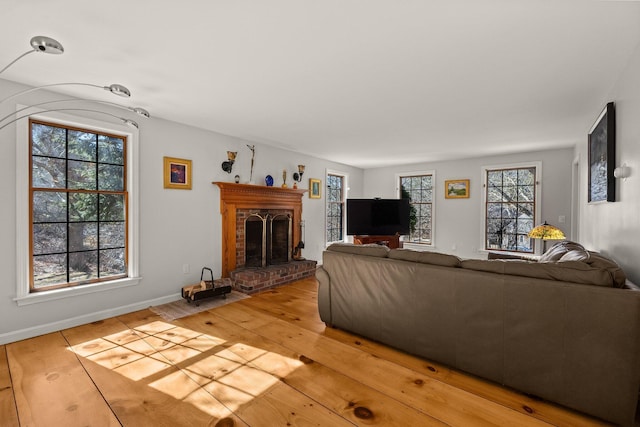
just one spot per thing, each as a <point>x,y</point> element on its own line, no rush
<point>324,295</point>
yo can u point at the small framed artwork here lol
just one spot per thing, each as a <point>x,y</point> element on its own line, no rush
<point>602,157</point>
<point>177,173</point>
<point>456,189</point>
<point>314,188</point>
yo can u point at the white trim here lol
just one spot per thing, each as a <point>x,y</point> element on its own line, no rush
<point>83,319</point>
<point>413,245</point>
<point>538,202</point>
<point>23,296</point>
<point>345,185</point>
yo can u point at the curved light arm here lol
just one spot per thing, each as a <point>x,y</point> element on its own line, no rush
<point>137,110</point>
<point>123,120</point>
<point>16,60</point>
<point>113,88</point>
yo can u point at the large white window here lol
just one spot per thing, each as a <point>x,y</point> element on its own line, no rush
<point>77,207</point>
<point>418,188</point>
<point>511,206</point>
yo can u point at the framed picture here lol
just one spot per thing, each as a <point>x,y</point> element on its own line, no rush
<point>314,188</point>
<point>456,189</point>
<point>602,157</point>
<point>177,173</point>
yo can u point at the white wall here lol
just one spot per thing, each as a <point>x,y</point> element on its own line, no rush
<point>458,222</point>
<point>614,228</point>
<point>176,227</point>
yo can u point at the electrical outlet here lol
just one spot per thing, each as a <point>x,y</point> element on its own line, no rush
<point>185,268</point>
<point>562,219</point>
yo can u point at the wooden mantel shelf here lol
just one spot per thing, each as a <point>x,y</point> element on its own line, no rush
<point>249,192</point>
<point>247,196</point>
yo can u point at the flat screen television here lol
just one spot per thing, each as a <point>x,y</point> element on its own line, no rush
<point>385,217</point>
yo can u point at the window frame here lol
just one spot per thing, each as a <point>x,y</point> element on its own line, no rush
<point>398,177</point>
<point>345,189</point>
<point>537,204</point>
<point>24,296</point>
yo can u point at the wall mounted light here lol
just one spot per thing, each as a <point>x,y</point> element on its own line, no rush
<point>228,165</point>
<point>297,176</point>
<point>622,172</point>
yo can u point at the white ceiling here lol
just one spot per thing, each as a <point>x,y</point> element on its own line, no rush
<point>362,82</point>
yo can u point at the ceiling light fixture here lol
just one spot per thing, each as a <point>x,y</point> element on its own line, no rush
<point>40,44</point>
<point>122,119</point>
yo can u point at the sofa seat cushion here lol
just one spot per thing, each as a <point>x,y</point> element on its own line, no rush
<point>374,250</point>
<point>435,258</point>
<point>567,271</point>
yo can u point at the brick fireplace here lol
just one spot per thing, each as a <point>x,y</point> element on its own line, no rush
<point>260,228</point>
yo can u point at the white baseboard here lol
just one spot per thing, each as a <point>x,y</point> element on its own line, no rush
<point>71,322</point>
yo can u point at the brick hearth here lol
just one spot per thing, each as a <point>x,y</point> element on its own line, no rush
<point>252,280</point>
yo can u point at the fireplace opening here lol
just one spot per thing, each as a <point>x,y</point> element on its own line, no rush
<point>267,239</point>
<point>255,241</point>
<point>279,240</point>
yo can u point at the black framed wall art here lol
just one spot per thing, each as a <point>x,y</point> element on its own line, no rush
<point>602,157</point>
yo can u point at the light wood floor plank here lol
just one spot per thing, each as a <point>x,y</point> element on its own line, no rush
<point>52,388</point>
<point>8,413</point>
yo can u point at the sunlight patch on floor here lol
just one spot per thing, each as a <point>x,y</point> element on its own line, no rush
<point>190,366</point>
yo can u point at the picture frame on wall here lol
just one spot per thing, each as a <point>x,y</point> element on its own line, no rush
<point>314,188</point>
<point>602,157</point>
<point>456,189</point>
<point>177,173</point>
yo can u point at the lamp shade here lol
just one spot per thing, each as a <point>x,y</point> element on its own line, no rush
<point>546,232</point>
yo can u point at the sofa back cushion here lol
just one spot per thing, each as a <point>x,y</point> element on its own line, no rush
<point>424,257</point>
<point>567,271</point>
<point>374,250</point>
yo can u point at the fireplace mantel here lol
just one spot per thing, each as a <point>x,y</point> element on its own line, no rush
<point>245,196</point>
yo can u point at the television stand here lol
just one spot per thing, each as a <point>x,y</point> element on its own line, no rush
<point>392,241</point>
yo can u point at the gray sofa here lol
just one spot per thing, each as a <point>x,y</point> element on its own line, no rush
<point>565,328</point>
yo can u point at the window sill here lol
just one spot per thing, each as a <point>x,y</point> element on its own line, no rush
<point>45,296</point>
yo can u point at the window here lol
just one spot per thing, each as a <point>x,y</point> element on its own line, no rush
<point>78,206</point>
<point>511,207</point>
<point>418,187</point>
<point>335,207</point>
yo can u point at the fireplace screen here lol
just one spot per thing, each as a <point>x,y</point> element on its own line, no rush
<point>267,239</point>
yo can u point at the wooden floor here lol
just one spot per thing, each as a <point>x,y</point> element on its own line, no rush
<point>263,361</point>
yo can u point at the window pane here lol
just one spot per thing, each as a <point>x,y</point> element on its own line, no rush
<point>494,178</point>
<point>112,207</point>
<point>83,266</point>
<point>49,238</point>
<point>112,262</point>
<point>48,141</point>
<point>48,172</point>
<point>82,145</point>
<point>49,270</point>
<point>83,236</point>
<point>494,194</point>
<point>83,207</point>
<point>110,150</point>
<point>82,175</point>
<point>110,177</point>
<point>49,206</point>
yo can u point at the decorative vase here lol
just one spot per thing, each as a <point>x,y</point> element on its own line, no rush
<point>269,180</point>
<point>237,179</point>
<point>284,178</point>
